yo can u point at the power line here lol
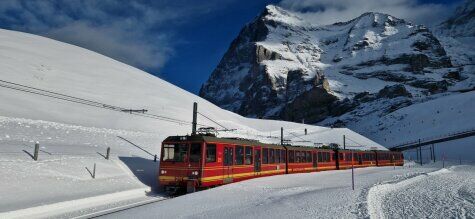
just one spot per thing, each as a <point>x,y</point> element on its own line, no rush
<point>69,98</point>
<point>226,129</point>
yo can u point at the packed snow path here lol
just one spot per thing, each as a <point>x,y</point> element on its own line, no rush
<point>447,193</point>
<point>310,195</point>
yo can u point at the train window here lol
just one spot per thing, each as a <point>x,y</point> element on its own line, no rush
<point>291,157</point>
<point>298,157</point>
<point>195,152</point>
<point>341,156</point>
<point>210,153</point>
<point>277,156</point>
<point>248,158</point>
<point>265,154</point>
<point>175,152</point>
<point>239,155</point>
<point>319,155</point>
<point>327,158</point>
<point>282,156</point>
<point>228,156</point>
<point>271,156</point>
<point>349,157</point>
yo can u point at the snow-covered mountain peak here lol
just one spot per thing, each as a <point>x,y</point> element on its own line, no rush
<point>281,16</point>
<point>287,64</point>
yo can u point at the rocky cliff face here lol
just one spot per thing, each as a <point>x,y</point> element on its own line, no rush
<point>281,66</point>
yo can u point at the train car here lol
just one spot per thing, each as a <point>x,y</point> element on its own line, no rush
<point>364,159</point>
<point>389,158</point>
<point>201,161</point>
<point>344,159</point>
<point>204,161</point>
<point>325,159</point>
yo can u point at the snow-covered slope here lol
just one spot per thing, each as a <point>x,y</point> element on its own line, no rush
<point>47,64</point>
<point>74,137</point>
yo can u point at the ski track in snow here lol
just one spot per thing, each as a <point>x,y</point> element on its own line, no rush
<point>446,193</point>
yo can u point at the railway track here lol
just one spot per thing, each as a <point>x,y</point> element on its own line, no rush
<point>113,210</point>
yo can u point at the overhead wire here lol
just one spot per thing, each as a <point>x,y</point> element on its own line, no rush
<point>69,98</point>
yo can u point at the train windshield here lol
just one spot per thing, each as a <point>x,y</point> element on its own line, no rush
<point>175,152</point>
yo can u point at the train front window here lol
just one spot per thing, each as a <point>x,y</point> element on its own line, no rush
<point>195,152</point>
<point>210,153</point>
<point>174,152</point>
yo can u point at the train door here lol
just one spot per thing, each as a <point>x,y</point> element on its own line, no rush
<point>257,160</point>
<point>228,164</point>
<point>314,158</point>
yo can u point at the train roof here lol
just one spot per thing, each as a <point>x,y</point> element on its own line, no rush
<point>236,141</point>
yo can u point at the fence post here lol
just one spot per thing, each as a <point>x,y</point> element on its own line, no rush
<point>37,149</point>
<point>94,171</point>
<point>108,153</point>
<point>155,158</point>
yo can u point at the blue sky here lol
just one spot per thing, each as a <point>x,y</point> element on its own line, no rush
<point>182,41</point>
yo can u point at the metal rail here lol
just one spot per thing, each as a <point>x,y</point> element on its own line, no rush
<point>434,140</point>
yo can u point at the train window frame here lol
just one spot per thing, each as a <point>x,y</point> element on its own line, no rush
<point>271,155</point>
<point>265,155</point>
<point>283,157</point>
<point>319,156</point>
<point>291,156</point>
<point>277,156</point>
<point>238,155</point>
<point>248,155</point>
<point>208,159</point>
<point>308,155</point>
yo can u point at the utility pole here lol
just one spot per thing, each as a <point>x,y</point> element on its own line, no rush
<point>195,116</point>
<point>281,135</point>
<point>344,142</point>
<point>420,151</point>
<point>352,170</point>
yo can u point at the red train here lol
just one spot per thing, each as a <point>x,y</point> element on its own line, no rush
<point>200,161</point>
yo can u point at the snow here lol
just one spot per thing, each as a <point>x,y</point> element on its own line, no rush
<point>74,137</point>
<point>415,197</point>
<point>326,195</point>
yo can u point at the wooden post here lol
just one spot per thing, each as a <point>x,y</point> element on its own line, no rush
<point>37,149</point>
<point>433,151</point>
<point>94,171</point>
<point>305,131</point>
<point>108,153</point>
<point>155,158</point>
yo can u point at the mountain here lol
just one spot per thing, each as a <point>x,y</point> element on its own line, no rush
<point>457,34</point>
<point>298,71</point>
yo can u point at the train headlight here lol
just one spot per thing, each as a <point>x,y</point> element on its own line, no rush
<point>163,172</point>
<point>195,173</point>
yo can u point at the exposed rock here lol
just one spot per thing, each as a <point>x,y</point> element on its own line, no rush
<point>393,91</point>
<point>431,86</point>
